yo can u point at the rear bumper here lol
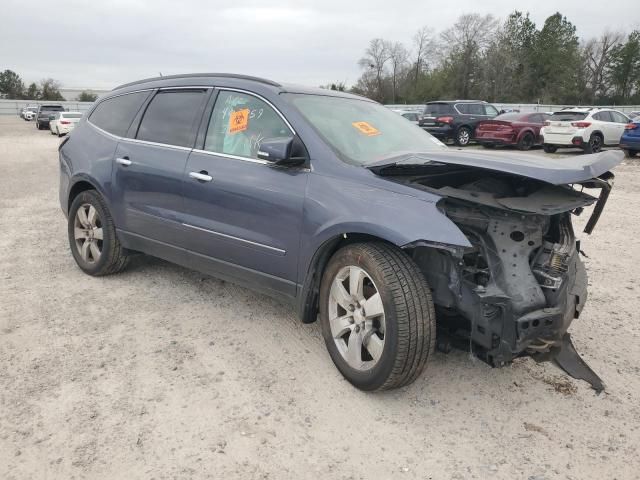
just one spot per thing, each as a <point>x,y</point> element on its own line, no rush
<point>630,144</point>
<point>493,139</point>
<point>564,140</point>
<point>442,132</point>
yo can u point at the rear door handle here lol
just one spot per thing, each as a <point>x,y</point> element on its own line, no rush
<point>201,176</point>
<point>124,161</point>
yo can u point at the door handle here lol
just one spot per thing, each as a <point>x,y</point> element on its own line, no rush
<point>124,161</point>
<point>202,176</point>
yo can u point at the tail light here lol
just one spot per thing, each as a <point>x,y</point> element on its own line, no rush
<point>65,122</point>
<point>447,120</point>
<point>631,126</point>
<point>581,124</point>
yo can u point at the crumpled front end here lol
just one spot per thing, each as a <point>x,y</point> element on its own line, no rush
<point>519,287</point>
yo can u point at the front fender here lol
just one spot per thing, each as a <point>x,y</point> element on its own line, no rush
<point>336,206</point>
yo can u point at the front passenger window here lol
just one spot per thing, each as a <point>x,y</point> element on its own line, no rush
<point>240,122</point>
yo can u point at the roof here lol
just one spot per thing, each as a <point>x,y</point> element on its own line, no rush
<point>457,101</point>
<point>199,75</point>
<point>210,78</point>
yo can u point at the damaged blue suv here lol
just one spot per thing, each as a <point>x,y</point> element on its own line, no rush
<point>339,206</point>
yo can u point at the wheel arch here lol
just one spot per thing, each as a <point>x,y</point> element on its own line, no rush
<point>80,184</point>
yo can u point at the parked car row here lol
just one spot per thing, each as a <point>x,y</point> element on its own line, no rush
<point>588,128</point>
<point>52,117</point>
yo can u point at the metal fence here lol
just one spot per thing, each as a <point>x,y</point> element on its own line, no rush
<point>529,107</point>
<point>13,107</point>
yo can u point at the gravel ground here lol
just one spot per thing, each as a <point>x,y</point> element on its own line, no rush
<point>161,372</point>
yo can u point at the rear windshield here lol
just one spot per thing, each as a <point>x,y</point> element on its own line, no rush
<point>567,116</point>
<point>52,108</point>
<point>72,115</point>
<point>437,108</point>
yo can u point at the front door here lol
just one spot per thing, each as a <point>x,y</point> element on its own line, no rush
<point>243,216</point>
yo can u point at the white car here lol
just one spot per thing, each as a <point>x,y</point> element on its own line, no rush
<point>62,123</point>
<point>586,128</point>
<point>30,113</point>
<point>412,116</point>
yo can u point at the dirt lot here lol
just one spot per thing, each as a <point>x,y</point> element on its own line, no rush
<point>161,372</point>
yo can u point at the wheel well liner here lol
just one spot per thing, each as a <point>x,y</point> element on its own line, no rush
<point>308,299</point>
<point>77,188</point>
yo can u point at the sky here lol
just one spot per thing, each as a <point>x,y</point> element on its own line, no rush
<point>101,44</point>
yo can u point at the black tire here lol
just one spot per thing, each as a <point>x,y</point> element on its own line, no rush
<point>549,148</point>
<point>630,153</point>
<point>38,126</point>
<point>463,137</point>
<point>410,322</point>
<point>594,145</point>
<point>58,132</point>
<point>113,257</point>
<point>526,142</point>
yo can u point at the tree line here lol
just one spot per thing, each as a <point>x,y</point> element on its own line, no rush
<point>12,87</point>
<point>510,60</point>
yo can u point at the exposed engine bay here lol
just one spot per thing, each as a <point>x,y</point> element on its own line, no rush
<point>518,288</point>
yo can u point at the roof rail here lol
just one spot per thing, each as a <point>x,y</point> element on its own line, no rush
<point>195,75</point>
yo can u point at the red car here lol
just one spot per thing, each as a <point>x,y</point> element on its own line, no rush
<point>517,129</point>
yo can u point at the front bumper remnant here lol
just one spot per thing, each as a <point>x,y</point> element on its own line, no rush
<point>568,359</point>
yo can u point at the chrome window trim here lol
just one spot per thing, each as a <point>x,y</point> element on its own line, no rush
<point>116,137</point>
<point>234,157</point>
<point>231,237</point>
<point>156,144</point>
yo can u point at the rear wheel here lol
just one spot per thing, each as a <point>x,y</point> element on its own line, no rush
<point>463,137</point>
<point>526,142</point>
<point>549,148</point>
<point>595,143</point>
<point>58,132</point>
<point>92,236</point>
<point>377,316</point>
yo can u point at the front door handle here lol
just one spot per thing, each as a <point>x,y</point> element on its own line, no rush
<point>124,161</point>
<point>201,176</point>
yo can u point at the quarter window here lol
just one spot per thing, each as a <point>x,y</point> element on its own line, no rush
<point>240,122</point>
<point>115,115</point>
<point>619,118</point>
<point>491,110</point>
<point>171,117</point>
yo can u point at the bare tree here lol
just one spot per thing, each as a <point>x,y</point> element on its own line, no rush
<point>376,56</point>
<point>598,58</point>
<point>398,58</point>
<point>424,44</point>
<point>471,35</point>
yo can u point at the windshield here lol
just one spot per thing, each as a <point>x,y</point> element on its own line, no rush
<point>362,132</point>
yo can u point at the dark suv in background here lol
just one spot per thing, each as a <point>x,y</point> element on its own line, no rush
<point>455,119</point>
<point>44,112</point>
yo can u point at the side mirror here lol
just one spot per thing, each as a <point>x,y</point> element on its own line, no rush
<point>279,151</point>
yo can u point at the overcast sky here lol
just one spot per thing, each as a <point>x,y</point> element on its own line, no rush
<point>101,44</point>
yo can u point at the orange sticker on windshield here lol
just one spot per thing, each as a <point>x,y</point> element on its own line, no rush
<point>239,121</point>
<point>367,129</point>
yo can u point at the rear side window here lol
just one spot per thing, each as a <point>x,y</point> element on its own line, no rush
<point>115,115</point>
<point>490,110</point>
<point>411,116</point>
<point>171,117</point>
<point>602,116</point>
<point>567,116</point>
<point>434,109</point>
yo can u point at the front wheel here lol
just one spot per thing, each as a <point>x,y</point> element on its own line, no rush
<point>463,137</point>
<point>377,316</point>
<point>549,148</point>
<point>92,236</point>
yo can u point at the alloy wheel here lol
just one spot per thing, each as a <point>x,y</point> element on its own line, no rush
<point>88,233</point>
<point>463,136</point>
<point>357,318</point>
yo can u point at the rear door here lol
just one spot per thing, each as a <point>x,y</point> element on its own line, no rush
<point>433,111</point>
<point>605,124</point>
<point>243,215</point>
<point>150,163</point>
